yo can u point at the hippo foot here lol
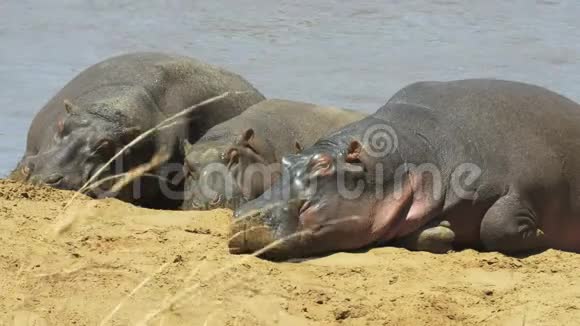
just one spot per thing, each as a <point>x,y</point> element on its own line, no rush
<point>435,237</point>
<point>510,226</point>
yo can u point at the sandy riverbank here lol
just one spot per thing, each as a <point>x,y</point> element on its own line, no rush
<point>174,267</point>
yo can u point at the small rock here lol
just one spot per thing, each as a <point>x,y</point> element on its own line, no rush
<point>488,292</point>
<point>517,264</point>
<point>342,314</point>
<point>198,231</point>
<point>491,262</point>
<point>178,259</point>
<point>357,270</point>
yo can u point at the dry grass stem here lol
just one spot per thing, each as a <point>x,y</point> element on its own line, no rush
<point>99,182</point>
<point>189,290</point>
<point>157,160</point>
<point>132,293</point>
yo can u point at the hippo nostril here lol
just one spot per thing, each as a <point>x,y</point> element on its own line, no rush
<point>53,179</point>
<point>249,233</point>
<point>216,200</point>
<point>237,241</point>
<point>26,170</point>
<point>303,206</point>
<point>193,205</point>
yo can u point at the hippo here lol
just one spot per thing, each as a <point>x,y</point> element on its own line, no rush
<point>111,103</point>
<point>237,160</point>
<point>486,164</point>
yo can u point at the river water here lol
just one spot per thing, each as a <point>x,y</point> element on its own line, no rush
<point>346,53</point>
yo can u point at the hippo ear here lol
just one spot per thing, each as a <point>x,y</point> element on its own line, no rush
<point>187,147</point>
<point>356,155</point>
<point>129,134</point>
<point>248,135</point>
<point>258,145</point>
<point>354,152</point>
<point>60,127</point>
<point>298,147</point>
<point>232,156</point>
<point>248,139</point>
<point>70,108</point>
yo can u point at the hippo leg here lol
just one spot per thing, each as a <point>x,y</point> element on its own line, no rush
<point>509,226</point>
<point>436,237</point>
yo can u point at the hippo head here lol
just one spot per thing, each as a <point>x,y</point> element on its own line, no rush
<point>225,175</point>
<point>84,140</point>
<point>323,202</point>
<point>206,176</point>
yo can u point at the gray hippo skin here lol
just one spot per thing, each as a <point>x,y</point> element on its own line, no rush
<point>503,155</point>
<point>237,160</point>
<point>109,104</point>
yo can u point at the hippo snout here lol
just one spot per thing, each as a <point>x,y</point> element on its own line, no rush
<point>267,228</point>
<point>249,233</point>
<point>53,180</point>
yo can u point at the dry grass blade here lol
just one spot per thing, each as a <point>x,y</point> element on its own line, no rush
<point>63,273</point>
<point>99,182</point>
<point>157,160</point>
<point>132,293</point>
<point>189,278</point>
<point>162,125</point>
<point>187,291</point>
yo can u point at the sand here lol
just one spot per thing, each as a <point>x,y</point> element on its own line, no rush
<point>123,265</point>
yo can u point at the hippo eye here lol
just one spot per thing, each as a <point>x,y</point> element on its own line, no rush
<point>104,147</point>
<point>63,128</point>
<point>321,165</point>
<point>190,169</point>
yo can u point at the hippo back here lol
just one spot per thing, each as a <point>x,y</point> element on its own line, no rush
<point>496,114</point>
<point>284,122</point>
<point>171,82</point>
